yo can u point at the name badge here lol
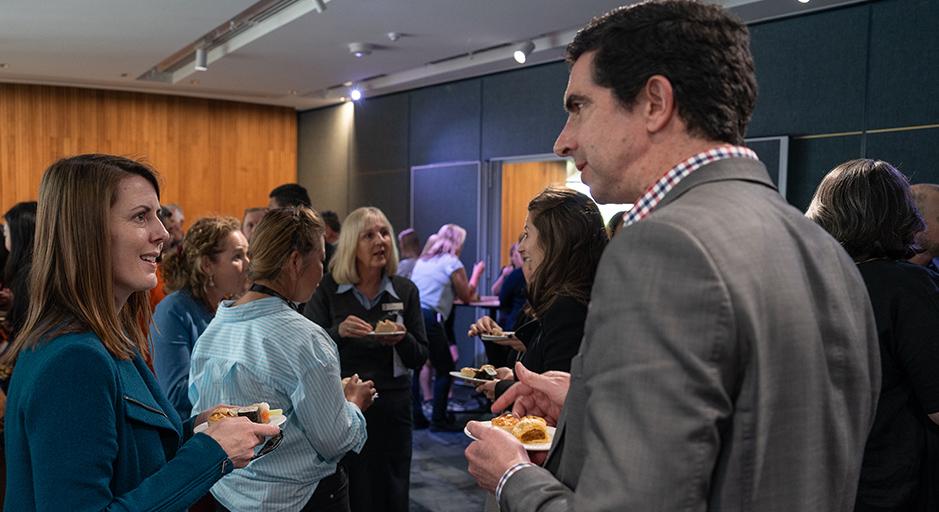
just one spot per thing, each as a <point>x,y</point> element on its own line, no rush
<point>392,306</point>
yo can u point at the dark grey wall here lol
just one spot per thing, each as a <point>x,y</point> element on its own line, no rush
<point>839,82</point>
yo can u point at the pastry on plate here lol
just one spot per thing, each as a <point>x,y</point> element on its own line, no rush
<point>386,326</point>
<point>531,429</point>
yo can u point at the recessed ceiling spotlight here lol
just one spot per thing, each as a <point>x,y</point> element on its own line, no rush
<point>804,1</point>
<point>360,49</point>
<point>355,94</point>
<point>522,51</point>
<point>393,36</point>
<point>202,60</point>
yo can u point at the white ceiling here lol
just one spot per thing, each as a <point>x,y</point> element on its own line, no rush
<point>109,44</point>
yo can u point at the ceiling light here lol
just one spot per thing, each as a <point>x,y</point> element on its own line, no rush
<point>355,93</point>
<point>393,36</point>
<point>803,1</point>
<point>202,60</point>
<point>522,51</point>
<point>360,49</point>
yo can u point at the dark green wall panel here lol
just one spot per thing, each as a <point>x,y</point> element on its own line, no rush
<point>445,122</point>
<point>811,159</point>
<point>915,153</point>
<point>380,134</point>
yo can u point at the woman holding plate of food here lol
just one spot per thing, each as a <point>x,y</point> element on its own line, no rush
<point>87,426</point>
<point>561,245</point>
<point>258,348</point>
<point>374,317</point>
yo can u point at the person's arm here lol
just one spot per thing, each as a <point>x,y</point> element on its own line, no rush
<point>171,333</point>
<point>319,311</point>
<point>916,337</point>
<point>413,349</point>
<point>332,425</point>
<point>497,286</point>
<point>464,289</point>
<point>655,376</point>
<point>73,427</point>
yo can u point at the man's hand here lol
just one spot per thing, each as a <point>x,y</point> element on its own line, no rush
<point>536,394</point>
<point>494,452</point>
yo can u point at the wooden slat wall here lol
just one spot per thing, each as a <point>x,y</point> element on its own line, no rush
<point>214,157</point>
<point>520,183</point>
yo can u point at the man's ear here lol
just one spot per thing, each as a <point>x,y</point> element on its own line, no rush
<point>659,106</point>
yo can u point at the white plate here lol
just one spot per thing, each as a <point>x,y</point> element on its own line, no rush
<point>275,420</point>
<point>474,380</point>
<point>492,337</point>
<point>532,447</point>
<point>380,334</point>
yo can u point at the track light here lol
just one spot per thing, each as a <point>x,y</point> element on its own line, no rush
<point>360,49</point>
<point>355,93</point>
<point>522,51</point>
<point>320,5</point>
<point>202,60</point>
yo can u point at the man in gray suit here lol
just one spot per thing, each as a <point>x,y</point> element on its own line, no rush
<point>730,357</point>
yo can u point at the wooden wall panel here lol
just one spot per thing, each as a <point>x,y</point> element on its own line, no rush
<point>520,183</point>
<point>214,157</point>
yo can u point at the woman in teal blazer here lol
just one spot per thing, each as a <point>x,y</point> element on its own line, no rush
<point>87,427</point>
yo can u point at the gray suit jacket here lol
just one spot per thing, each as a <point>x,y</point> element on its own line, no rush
<point>730,362</point>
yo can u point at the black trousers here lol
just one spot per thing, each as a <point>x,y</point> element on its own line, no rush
<point>331,495</point>
<point>442,361</point>
<point>380,476</point>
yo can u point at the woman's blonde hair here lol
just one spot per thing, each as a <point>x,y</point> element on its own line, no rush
<point>71,284</point>
<point>279,233</point>
<point>449,239</point>
<point>343,264</point>
<point>183,268</point>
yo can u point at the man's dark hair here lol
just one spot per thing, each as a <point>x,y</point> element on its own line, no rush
<point>331,220</point>
<point>867,206</point>
<point>291,194</point>
<point>703,51</point>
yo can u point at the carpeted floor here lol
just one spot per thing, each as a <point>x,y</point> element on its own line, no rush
<point>439,481</point>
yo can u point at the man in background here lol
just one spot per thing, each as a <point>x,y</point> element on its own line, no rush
<point>289,194</point>
<point>730,358</point>
<point>926,196</point>
<point>250,220</point>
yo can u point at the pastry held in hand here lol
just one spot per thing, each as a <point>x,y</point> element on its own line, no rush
<point>531,429</point>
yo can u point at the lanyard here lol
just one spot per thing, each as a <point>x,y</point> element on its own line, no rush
<point>260,288</point>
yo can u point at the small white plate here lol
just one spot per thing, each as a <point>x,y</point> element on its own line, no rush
<point>532,447</point>
<point>474,380</point>
<point>492,337</point>
<point>275,420</point>
<point>382,334</point>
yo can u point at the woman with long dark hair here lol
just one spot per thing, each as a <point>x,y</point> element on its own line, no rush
<point>867,206</point>
<point>19,231</point>
<point>562,242</point>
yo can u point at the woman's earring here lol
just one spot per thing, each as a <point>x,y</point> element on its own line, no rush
<point>211,281</point>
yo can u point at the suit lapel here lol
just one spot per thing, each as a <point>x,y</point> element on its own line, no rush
<point>141,402</point>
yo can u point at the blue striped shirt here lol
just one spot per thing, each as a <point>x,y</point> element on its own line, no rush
<point>266,351</point>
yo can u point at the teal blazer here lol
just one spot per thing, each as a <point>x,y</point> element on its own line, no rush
<point>88,431</point>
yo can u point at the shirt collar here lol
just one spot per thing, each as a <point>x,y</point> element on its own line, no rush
<point>386,286</point>
<point>647,203</point>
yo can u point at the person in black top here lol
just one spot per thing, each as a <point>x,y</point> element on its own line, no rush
<point>867,206</point>
<point>561,246</point>
<point>360,292</point>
